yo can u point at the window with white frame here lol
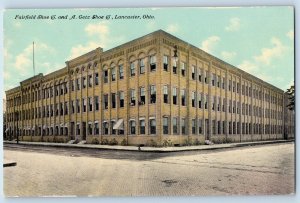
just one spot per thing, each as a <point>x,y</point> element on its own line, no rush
<point>165,92</point>
<point>152,125</point>
<point>142,66</point>
<point>152,94</point>
<point>152,63</point>
<point>142,96</point>
<point>165,65</point>
<point>121,72</point>
<point>121,97</point>
<point>132,69</point>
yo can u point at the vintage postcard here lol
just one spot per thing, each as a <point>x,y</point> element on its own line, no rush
<point>149,101</point>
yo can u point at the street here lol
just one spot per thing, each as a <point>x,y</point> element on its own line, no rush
<point>50,171</point>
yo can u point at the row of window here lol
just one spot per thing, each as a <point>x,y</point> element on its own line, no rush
<point>139,127</point>
<point>90,80</point>
<point>90,104</point>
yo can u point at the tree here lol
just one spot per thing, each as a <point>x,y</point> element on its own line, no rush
<point>291,97</point>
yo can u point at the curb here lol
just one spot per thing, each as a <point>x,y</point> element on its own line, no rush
<point>156,150</point>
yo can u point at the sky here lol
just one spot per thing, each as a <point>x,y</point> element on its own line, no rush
<point>259,40</point>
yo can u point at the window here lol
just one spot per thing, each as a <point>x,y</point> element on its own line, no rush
<point>56,92</point>
<point>229,85</point>
<point>234,104</point>
<point>132,69</point>
<point>233,86</point>
<point>105,127</point>
<point>65,108</point>
<point>105,76</point>
<point>90,128</point>
<point>230,129</point>
<point>142,127</point>
<point>121,72</point>
<point>152,94</point>
<point>224,127</point>
<point>213,126</point>
<point>90,104</point>
<point>182,64</point>
<point>142,96</point>
<point>199,100</point>
<point>213,79</point>
<point>132,97</point>
<point>238,87</point>
<point>174,95</point>
<point>96,79</point>
<point>96,128</point>
<point>121,96</point>
<point>183,126</point>
<point>165,125</point>
<point>175,68</point>
<point>152,126</point>
<point>229,106</point>
<point>90,81</point>
<point>193,126</point>
<point>175,131</point>
<point>72,87</point>
<point>200,75</point>
<point>205,77</point>
<point>233,126</point>
<point>132,127</point>
<point>96,103</point>
<point>78,105</point>
<point>206,102</point>
<point>105,101</point>
<point>165,65</point>
<point>200,126</point>
<point>243,89</point>
<point>193,73</point>
<point>113,74</point>
<point>78,129</point>
<point>213,102</point>
<point>219,104</point>
<point>223,83</point>
<point>219,127</point>
<point>61,89</point>
<point>83,82</point>
<point>218,81</point>
<point>193,99</point>
<point>113,100</point>
<point>142,66</point>
<point>165,92</point>
<point>183,97</point>
<point>152,63</point>
<point>78,83</point>
<point>112,130</point>
<point>84,105</point>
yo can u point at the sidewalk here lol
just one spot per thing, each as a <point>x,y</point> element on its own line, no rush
<point>150,149</point>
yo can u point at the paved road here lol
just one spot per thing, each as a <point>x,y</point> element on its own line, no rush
<point>52,171</point>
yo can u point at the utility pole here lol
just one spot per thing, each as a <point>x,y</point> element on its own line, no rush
<point>33,58</point>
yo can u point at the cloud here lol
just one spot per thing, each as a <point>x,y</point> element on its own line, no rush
<point>172,28</point>
<point>81,49</point>
<point>228,55</point>
<point>234,25</point>
<point>248,66</point>
<point>267,54</point>
<point>97,29</point>
<point>102,38</point>
<point>290,34</point>
<point>210,43</point>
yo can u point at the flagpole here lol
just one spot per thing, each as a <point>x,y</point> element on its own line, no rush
<point>33,58</point>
